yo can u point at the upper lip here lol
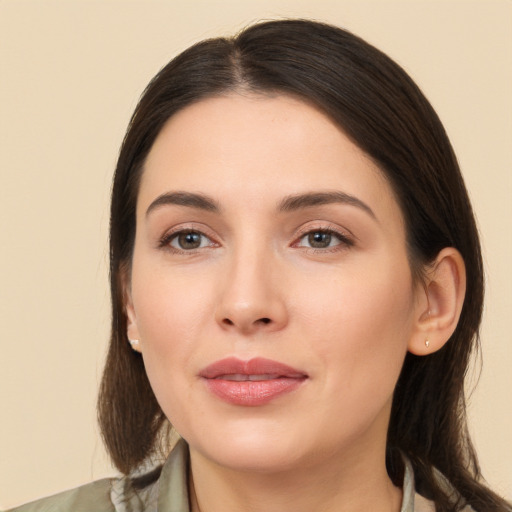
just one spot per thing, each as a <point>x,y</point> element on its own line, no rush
<point>256,366</point>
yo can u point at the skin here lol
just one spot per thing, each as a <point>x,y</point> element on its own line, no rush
<point>345,313</point>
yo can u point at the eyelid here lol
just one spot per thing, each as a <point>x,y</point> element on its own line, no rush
<point>170,234</point>
<point>345,236</point>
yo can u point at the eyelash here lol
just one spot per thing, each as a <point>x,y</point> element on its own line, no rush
<point>344,241</point>
<point>168,238</point>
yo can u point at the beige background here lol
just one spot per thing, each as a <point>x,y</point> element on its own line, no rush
<point>70,75</point>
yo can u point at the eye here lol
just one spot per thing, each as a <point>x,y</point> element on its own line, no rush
<point>323,239</point>
<point>187,240</point>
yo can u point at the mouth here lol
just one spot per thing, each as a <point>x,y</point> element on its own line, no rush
<point>251,383</point>
<point>240,377</point>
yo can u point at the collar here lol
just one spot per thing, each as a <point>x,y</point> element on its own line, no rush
<point>172,488</point>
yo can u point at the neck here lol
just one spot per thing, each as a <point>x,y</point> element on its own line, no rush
<point>343,483</point>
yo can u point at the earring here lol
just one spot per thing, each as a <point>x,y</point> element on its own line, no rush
<point>427,342</point>
<point>134,344</point>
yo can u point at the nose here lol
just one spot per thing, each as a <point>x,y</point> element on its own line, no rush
<point>252,296</point>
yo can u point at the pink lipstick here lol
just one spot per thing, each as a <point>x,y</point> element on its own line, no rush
<point>251,383</point>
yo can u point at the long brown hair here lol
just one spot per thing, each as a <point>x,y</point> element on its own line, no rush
<point>382,110</point>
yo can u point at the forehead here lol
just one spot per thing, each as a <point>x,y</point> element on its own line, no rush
<point>251,147</point>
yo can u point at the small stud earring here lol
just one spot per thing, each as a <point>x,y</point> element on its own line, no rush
<point>134,344</point>
<point>427,343</point>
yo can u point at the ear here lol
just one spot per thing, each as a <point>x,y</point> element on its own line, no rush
<point>132,330</point>
<point>440,304</point>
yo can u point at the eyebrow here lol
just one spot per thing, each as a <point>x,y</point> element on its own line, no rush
<point>300,201</point>
<point>288,204</point>
<point>189,199</point>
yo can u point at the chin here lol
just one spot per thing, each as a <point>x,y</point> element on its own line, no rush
<point>256,458</point>
<point>256,449</point>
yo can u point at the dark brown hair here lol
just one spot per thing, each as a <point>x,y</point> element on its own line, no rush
<point>381,109</point>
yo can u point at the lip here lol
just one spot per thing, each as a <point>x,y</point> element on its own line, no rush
<point>251,383</point>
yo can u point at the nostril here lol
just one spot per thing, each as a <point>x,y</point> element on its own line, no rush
<point>229,322</point>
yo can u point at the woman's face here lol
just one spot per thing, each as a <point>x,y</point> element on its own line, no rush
<point>270,287</point>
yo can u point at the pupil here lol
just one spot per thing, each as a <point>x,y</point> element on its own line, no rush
<point>189,240</point>
<point>319,239</point>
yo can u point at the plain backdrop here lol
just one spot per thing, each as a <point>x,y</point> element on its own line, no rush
<point>71,72</point>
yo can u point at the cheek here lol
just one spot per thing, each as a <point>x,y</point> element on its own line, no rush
<point>169,305</point>
<point>170,314</point>
<point>366,321</point>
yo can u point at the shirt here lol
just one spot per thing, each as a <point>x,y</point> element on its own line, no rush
<point>169,493</point>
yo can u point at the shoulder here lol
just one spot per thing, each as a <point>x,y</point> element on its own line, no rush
<point>94,496</point>
<point>421,504</point>
<point>163,487</point>
<point>413,501</point>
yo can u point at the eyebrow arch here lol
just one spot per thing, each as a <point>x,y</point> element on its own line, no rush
<point>189,199</point>
<point>299,201</point>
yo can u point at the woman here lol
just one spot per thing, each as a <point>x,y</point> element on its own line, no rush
<point>296,284</point>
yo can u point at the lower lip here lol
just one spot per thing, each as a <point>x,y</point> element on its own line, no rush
<point>252,393</point>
